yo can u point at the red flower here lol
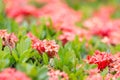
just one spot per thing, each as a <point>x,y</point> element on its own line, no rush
<point>101,25</point>
<point>19,9</point>
<point>102,59</point>
<point>12,74</point>
<point>48,46</point>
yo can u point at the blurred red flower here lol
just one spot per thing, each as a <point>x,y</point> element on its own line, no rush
<point>102,59</point>
<point>12,74</point>
<point>19,9</point>
<point>102,25</point>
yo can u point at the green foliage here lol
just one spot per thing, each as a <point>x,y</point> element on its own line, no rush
<point>36,73</point>
<point>43,31</point>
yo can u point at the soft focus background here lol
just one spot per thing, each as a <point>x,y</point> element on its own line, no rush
<point>59,39</point>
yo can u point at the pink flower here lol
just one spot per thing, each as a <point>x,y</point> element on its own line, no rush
<point>101,25</point>
<point>56,75</point>
<point>48,1</point>
<point>115,65</point>
<point>104,12</point>
<point>12,74</point>
<point>32,37</point>
<point>112,77</point>
<point>8,39</point>
<point>66,36</point>
<point>102,59</point>
<point>94,74</point>
<point>63,10</point>
<point>19,9</point>
<point>94,77</point>
<point>48,46</point>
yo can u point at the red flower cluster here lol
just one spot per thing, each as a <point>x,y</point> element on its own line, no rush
<point>48,46</point>
<point>12,74</point>
<point>115,65</point>
<point>66,25</point>
<point>8,39</point>
<point>57,75</point>
<point>102,59</point>
<point>19,9</point>
<point>102,25</point>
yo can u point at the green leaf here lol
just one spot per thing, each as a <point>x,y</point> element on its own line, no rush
<point>15,55</point>
<point>23,45</point>
<point>25,55</point>
<point>43,73</point>
<point>45,58</point>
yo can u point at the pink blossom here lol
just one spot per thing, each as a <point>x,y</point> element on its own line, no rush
<point>12,74</point>
<point>32,37</point>
<point>104,12</point>
<point>8,39</point>
<point>107,30</point>
<point>115,65</point>
<point>56,75</point>
<point>48,46</point>
<point>95,77</point>
<point>49,1</point>
<point>19,9</point>
<point>94,74</point>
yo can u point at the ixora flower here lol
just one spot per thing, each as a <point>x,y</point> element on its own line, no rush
<point>102,59</point>
<point>57,75</point>
<point>102,25</point>
<point>94,77</point>
<point>12,74</point>
<point>19,9</point>
<point>48,46</point>
<point>115,65</point>
<point>8,39</point>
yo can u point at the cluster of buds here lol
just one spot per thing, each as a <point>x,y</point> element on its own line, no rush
<point>57,75</point>
<point>8,39</point>
<point>48,46</point>
<point>12,74</point>
<point>44,46</point>
<point>102,59</point>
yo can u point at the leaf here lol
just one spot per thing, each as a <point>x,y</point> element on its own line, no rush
<point>45,58</point>
<point>43,73</point>
<point>15,56</point>
<point>23,45</point>
<point>25,55</point>
<point>29,69</point>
